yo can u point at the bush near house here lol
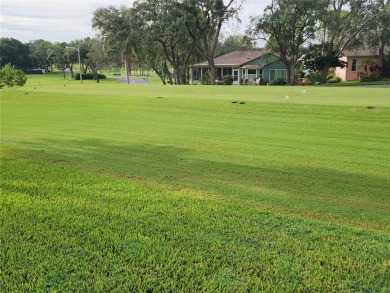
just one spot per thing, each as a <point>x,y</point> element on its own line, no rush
<point>331,78</point>
<point>228,79</point>
<point>205,79</point>
<point>315,77</point>
<point>219,81</point>
<point>372,72</point>
<point>364,77</point>
<point>335,79</point>
<point>280,81</point>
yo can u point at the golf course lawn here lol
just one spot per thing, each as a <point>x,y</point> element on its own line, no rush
<point>121,188</point>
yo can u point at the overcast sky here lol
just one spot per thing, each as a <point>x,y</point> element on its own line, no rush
<point>67,20</point>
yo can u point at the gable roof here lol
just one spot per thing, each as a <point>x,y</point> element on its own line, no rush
<point>235,58</point>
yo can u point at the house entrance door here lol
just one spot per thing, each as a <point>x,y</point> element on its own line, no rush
<point>235,75</point>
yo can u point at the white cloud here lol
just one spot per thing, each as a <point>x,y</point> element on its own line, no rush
<point>67,20</point>
<point>52,20</point>
<point>21,21</point>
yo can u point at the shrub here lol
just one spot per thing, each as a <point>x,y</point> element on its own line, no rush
<point>89,76</point>
<point>205,79</point>
<point>364,77</point>
<point>334,79</point>
<point>280,81</point>
<point>315,77</point>
<point>330,76</point>
<point>219,81</point>
<point>375,76</point>
<point>228,79</point>
<point>12,77</point>
<point>264,81</point>
<point>34,71</point>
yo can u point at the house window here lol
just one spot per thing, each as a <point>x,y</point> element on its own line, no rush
<point>227,71</point>
<point>218,73</point>
<point>275,74</point>
<point>252,74</point>
<point>353,67</point>
<point>244,73</point>
<point>261,72</point>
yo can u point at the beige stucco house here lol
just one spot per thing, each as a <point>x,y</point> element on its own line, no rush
<point>354,60</point>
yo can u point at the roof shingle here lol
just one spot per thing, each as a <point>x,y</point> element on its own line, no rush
<point>235,58</point>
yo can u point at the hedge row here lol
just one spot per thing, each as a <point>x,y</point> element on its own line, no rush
<point>33,71</point>
<point>89,76</point>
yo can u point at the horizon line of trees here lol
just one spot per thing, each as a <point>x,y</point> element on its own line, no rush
<point>319,31</point>
<point>168,36</point>
<point>45,55</point>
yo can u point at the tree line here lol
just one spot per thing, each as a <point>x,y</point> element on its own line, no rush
<point>318,31</point>
<point>177,33</point>
<point>168,36</point>
<point>45,55</point>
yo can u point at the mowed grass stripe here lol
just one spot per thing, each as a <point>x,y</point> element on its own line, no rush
<point>324,161</point>
<point>65,229</point>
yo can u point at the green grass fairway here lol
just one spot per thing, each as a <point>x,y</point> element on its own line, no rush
<point>117,188</point>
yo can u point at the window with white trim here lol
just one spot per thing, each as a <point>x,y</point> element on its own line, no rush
<point>275,74</point>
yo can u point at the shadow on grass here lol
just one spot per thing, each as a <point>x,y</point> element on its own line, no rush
<point>314,192</point>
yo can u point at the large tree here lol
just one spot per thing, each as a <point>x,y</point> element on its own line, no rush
<point>378,32</point>
<point>314,60</point>
<point>63,57</point>
<point>151,53</point>
<point>290,24</point>
<point>165,23</point>
<point>14,52</point>
<point>39,53</point>
<point>57,54</point>
<point>83,47</point>
<point>235,43</point>
<point>118,32</point>
<point>70,58</point>
<point>95,57</point>
<point>204,22</point>
<point>341,25</point>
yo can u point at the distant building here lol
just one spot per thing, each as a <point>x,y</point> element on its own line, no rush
<point>354,61</point>
<point>244,65</point>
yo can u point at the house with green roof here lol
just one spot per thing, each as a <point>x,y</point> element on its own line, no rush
<point>244,66</point>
